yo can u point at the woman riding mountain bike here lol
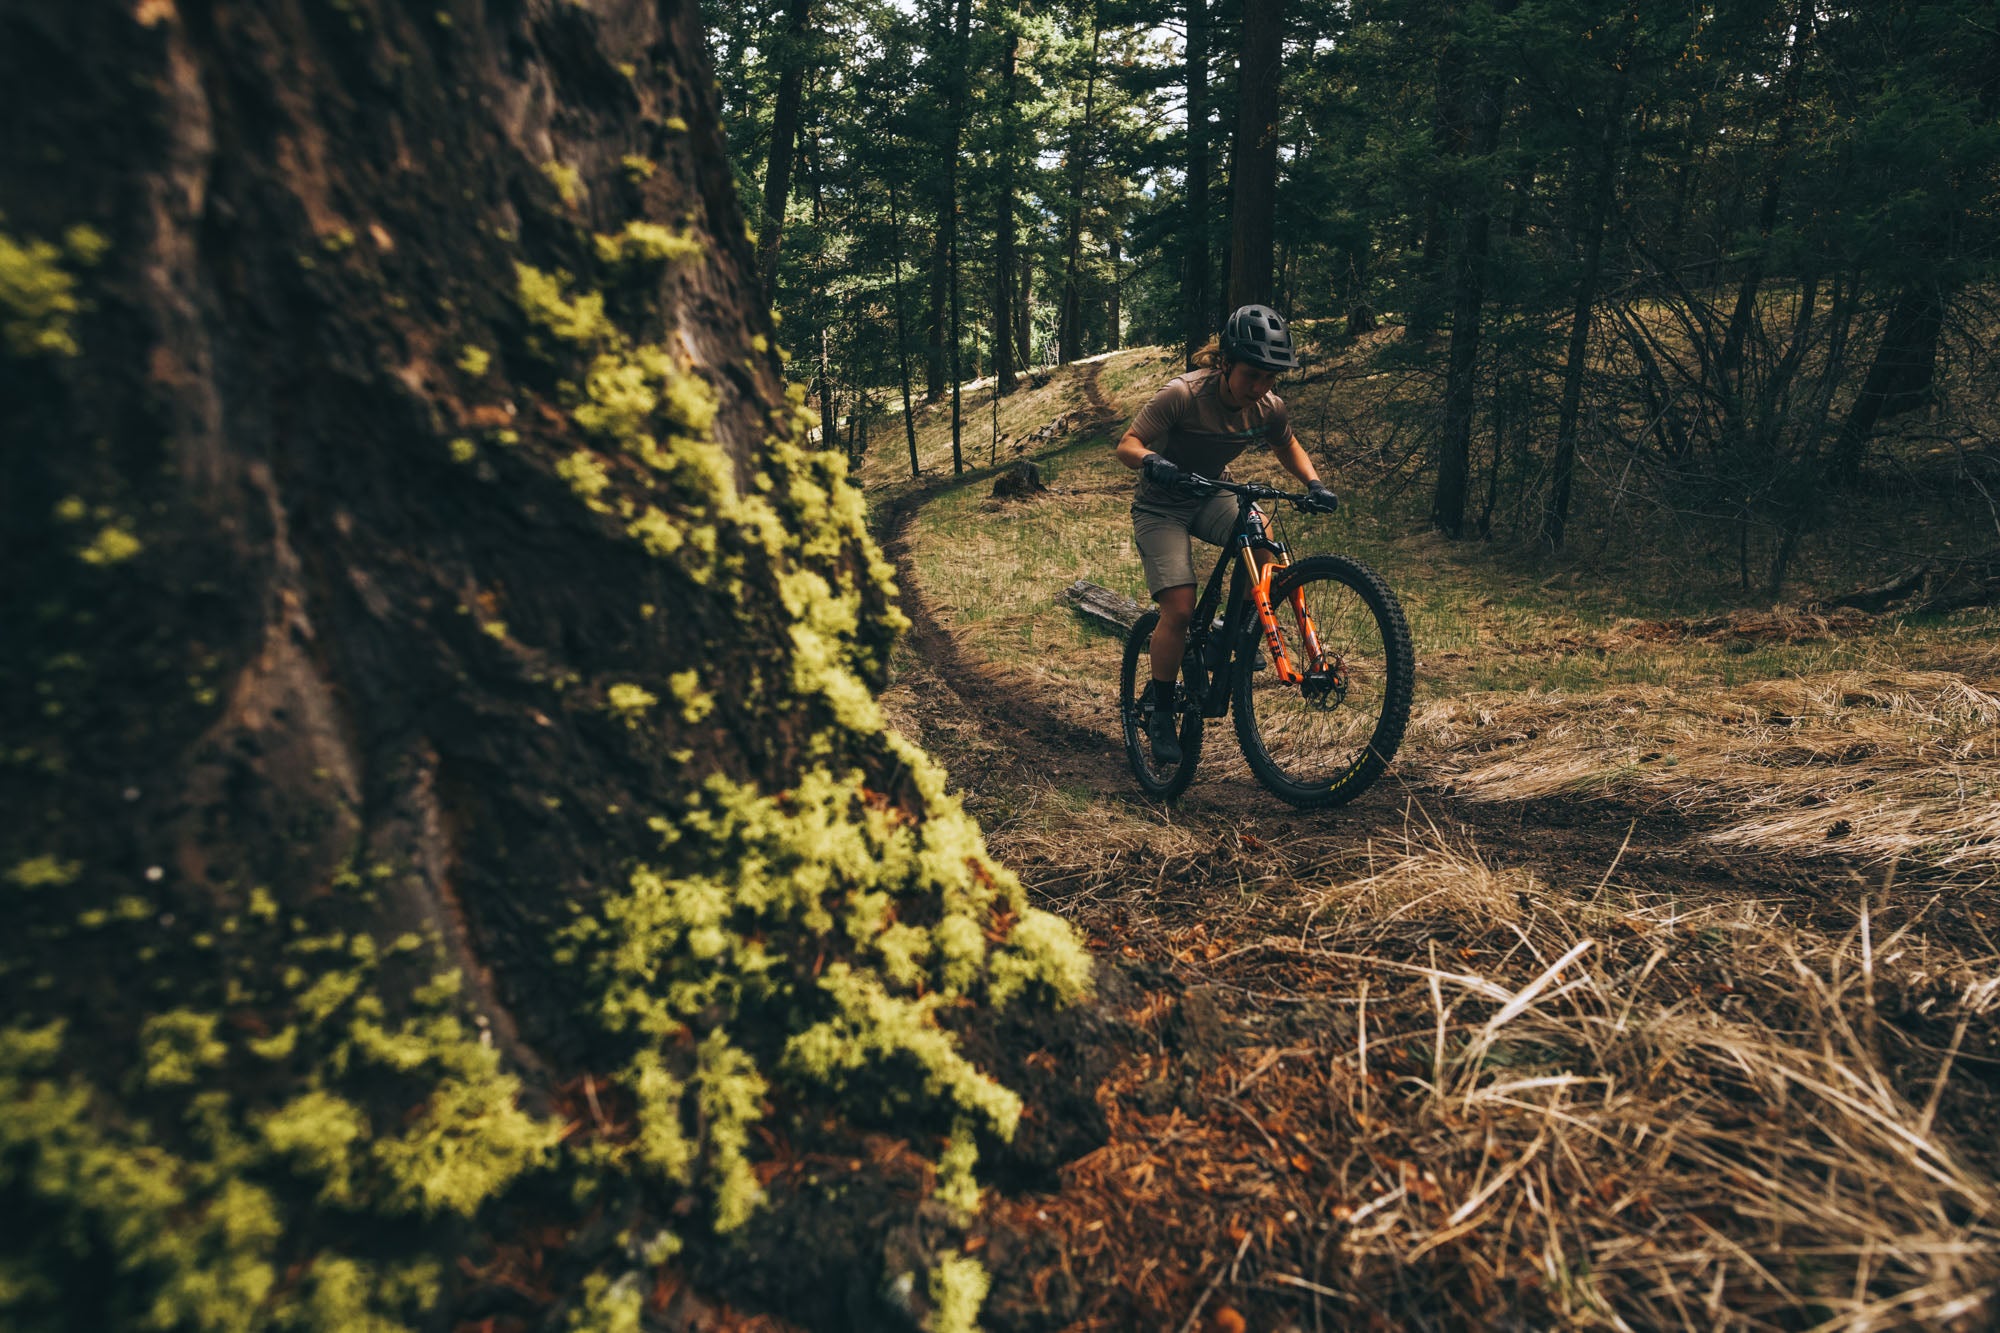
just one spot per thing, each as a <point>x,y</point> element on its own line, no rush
<point>1198,423</point>
<point>1320,717</point>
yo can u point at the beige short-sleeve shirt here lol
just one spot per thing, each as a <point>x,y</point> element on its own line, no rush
<point>1190,426</point>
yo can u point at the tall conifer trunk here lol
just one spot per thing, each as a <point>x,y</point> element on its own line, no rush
<point>1003,238</point>
<point>786,113</point>
<point>1898,379</point>
<point>1195,260</point>
<point>1468,271</point>
<point>961,29</point>
<point>902,330</point>
<point>1069,334</point>
<point>1254,177</point>
<point>1555,512</point>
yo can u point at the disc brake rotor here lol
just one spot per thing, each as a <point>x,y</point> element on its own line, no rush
<point>1325,686</point>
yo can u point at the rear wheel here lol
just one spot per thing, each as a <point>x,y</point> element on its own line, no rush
<point>1324,741</point>
<point>1160,781</point>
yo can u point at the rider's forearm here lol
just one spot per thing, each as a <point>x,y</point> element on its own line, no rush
<point>1132,451</point>
<point>1291,456</point>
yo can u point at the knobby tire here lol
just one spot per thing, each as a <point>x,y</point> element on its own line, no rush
<point>1136,672</point>
<point>1304,751</point>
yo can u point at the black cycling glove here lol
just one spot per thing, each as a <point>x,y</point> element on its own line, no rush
<point>1320,497</point>
<point>1163,471</point>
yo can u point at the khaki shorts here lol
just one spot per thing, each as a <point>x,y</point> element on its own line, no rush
<point>1163,535</point>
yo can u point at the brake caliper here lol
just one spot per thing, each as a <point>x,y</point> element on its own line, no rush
<point>1325,685</point>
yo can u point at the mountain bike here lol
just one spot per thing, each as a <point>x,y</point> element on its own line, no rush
<point>1315,656</point>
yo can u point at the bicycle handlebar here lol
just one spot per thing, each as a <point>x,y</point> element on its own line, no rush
<point>1252,491</point>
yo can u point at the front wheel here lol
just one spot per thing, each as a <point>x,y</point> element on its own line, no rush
<point>1160,781</point>
<point>1323,740</point>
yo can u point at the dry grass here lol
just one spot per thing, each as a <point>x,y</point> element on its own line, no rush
<point>1879,764</point>
<point>1696,1123</point>
<point>1527,1103</point>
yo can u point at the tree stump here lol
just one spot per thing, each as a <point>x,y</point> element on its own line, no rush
<point>1021,481</point>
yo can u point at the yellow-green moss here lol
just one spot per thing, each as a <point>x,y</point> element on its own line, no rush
<point>343,1295</point>
<point>37,300</point>
<point>85,243</point>
<point>42,872</point>
<point>586,474</point>
<point>608,1306</point>
<point>544,299</point>
<point>958,1287</point>
<point>647,243</point>
<point>958,1185</point>
<point>318,1132</point>
<point>179,1045</point>
<point>567,180</point>
<point>696,703</point>
<point>636,167</point>
<point>463,450</point>
<point>114,544</point>
<point>474,360</point>
<point>662,1143</point>
<point>630,702</point>
<point>470,1142</point>
<point>730,1093</point>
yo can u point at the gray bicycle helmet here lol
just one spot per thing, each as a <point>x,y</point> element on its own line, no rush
<point>1257,334</point>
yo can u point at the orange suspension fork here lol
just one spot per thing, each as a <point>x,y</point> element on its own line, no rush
<point>1260,597</point>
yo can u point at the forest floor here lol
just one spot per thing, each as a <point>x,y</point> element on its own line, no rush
<point>1655,986</point>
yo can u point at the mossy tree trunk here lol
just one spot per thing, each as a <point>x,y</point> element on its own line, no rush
<point>447,813</point>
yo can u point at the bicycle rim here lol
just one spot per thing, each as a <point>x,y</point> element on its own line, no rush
<point>1160,781</point>
<point>1325,740</point>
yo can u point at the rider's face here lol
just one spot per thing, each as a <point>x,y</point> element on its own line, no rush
<point>1247,383</point>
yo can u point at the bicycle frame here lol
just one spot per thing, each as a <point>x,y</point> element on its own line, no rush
<point>1209,661</point>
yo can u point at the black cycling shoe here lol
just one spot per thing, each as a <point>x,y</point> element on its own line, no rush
<point>1163,725</point>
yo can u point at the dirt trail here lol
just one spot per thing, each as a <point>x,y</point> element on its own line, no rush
<point>1093,390</point>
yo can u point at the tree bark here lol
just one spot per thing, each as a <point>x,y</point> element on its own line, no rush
<point>1899,378</point>
<point>1555,512</point>
<point>1195,262</point>
<point>446,622</point>
<point>1114,317</point>
<point>902,332</point>
<point>1468,298</point>
<point>1449,134</point>
<point>829,414</point>
<point>1026,313</point>
<point>1069,335</point>
<point>961,28</point>
<point>786,113</point>
<point>1254,179</point>
<point>1003,233</point>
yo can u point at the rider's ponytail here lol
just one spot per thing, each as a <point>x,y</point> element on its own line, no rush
<point>1211,356</point>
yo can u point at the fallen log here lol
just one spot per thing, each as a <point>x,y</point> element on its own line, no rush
<point>1099,603</point>
<point>1876,598</point>
<point>1934,586</point>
